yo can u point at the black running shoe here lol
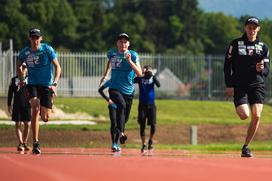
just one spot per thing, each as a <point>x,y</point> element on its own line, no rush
<point>246,152</point>
<point>20,147</point>
<point>143,149</point>
<point>26,146</point>
<point>150,145</point>
<point>36,148</point>
<point>123,139</point>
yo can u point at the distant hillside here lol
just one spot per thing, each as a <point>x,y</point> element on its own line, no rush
<point>237,8</point>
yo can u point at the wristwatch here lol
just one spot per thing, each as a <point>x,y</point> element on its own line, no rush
<point>54,84</point>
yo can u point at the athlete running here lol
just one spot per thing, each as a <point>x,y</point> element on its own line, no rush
<point>123,64</point>
<point>246,66</point>
<point>43,75</point>
<point>147,107</point>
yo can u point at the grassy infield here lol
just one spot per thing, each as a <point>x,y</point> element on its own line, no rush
<point>172,112</point>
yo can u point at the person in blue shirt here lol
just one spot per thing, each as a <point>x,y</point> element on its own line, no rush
<point>147,107</point>
<point>123,65</point>
<point>43,74</point>
<point>115,125</point>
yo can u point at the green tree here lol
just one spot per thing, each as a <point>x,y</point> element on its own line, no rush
<point>14,22</point>
<point>172,25</point>
<point>219,31</point>
<point>55,18</point>
<point>63,25</point>
<point>124,16</point>
<point>90,15</point>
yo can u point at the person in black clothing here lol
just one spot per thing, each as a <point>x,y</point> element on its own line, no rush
<point>115,125</point>
<point>147,107</point>
<point>246,66</point>
<point>21,110</point>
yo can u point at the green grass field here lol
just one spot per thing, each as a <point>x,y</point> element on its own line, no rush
<point>176,112</point>
<point>168,111</point>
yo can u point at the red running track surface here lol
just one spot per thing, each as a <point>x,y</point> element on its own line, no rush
<point>78,164</point>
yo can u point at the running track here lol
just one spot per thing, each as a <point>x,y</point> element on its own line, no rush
<point>78,164</point>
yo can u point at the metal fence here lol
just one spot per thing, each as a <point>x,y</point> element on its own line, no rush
<point>181,77</point>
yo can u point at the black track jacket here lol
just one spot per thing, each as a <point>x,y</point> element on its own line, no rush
<point>21,98</point>
<point>240,63</point>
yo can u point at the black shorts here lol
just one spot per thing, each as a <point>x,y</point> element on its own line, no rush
<point>249,95</point>
<point>41,92</point>
<point>21,114</point>
<point>147,111</point>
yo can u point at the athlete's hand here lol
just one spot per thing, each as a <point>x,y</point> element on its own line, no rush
<point>260,66</point>
<point>9,109</point>
<point>21,84</point>
<point>110,101</point>
<point>229,92</point>
<point>128,57</point>
<point>112,104</point>
<point>54,90</point>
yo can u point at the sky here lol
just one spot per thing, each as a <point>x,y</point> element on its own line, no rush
<point>259,8</point>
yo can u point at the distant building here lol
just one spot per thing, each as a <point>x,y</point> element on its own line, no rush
<point>171,85</point>
<point>87,86</point>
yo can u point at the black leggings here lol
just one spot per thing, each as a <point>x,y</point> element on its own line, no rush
<point>152,129</point>
<point>114,124</point>
<point>147,112</point>
<point>124,103</point>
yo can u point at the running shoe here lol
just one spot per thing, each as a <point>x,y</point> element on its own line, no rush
<point>36,148</point>
<point>118,148</point>
<point>20,147</point>
<point>114,147</point>
<point>246,152</point>
<point>123,139</point>
<point>26,146</point>
<point>143,149</point>
<point>150,145</point>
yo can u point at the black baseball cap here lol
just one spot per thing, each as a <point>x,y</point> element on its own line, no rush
<point>34,32</point>
<point>123,35</point>
<point>252,20</point>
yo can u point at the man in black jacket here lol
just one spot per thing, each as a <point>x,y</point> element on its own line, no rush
<point>21,110</point>
<point>246,66</point>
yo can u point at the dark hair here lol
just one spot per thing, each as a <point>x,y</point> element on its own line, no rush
<point>148,73</point>
<point>147,67</point>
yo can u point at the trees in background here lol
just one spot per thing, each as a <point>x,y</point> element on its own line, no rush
<point>155,26</point>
